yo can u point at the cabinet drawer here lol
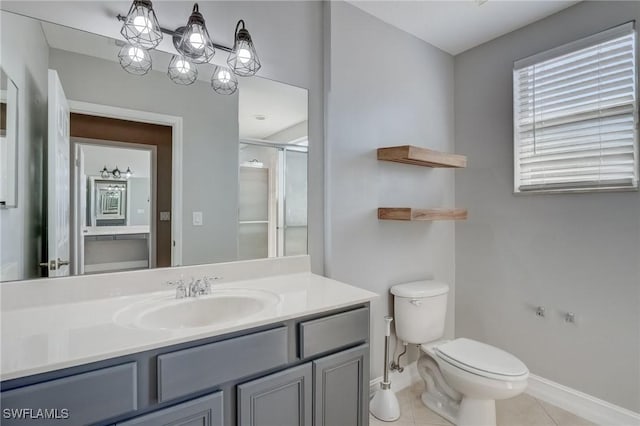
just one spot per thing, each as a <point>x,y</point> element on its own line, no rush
<point>333,332</point>
<point>87,397</point>
<point>205,411</point>
<point>191,370</point>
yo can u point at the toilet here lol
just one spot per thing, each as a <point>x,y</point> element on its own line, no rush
<point>463,377</point>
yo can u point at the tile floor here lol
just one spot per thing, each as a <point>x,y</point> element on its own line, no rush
<point>523,410</point>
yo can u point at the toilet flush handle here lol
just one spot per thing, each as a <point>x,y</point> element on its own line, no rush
<point>416,302</point>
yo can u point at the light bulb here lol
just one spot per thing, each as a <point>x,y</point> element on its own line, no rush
<point>142,24</point>
<point>244,55</point>
<point>136,54</point>
<point>141,27</point>
<point>183,66</point>
<point>224,76</point>
<point>196,40</point>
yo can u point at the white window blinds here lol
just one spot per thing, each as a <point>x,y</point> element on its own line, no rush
<point>575,115</point>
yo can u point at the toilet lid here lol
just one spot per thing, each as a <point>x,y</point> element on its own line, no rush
<point>481,359</point>
<point>419,289</point>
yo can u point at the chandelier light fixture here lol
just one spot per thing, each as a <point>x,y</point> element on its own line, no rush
<point>223,81</point>
<point>195,42</point>
<point>141,26</point>
<point>193,45</point>
<point>182,71</point>
<point>134,59</point>
<point>115,173</point>
<point>243,59</point>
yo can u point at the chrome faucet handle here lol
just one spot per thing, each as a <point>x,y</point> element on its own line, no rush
<point>196,287</point>
<point>207,283</point>
<point>181,290</point>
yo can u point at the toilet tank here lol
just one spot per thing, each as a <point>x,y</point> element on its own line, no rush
<point>420,308</point>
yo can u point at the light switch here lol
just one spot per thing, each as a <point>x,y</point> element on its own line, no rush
<point>197,218</point>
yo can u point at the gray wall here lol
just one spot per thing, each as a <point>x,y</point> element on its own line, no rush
<point>373,102</point>
<point>567,252</point>
<point>21,227</point>
<point>210,142</point>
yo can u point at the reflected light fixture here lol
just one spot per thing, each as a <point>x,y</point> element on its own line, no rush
<point>193,45</point>
<point>243,59</point>
<point>115,173</point>
<point>140,27</point>
<point>134,59</point>
<point>223,81</point>
<point>195,42</point>
<point>182,71</point>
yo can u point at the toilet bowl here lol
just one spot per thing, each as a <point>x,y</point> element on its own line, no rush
<point>481,374</point>
<point>463,377</point>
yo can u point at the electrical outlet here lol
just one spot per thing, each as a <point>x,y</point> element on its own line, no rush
<point>197,218</point>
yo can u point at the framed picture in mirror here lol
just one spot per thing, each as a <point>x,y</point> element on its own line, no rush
<point>109,202</point>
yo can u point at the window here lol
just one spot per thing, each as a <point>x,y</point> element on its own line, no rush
<point>575,115</point>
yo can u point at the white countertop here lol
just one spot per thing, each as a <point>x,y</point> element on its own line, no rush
<point>50,337</point>
<point>115,230</point>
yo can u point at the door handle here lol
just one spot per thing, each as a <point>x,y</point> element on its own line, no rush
<point>51,265</point>
<point>62,262</point>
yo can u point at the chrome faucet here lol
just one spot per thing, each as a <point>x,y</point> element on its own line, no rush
<point>195,288</point>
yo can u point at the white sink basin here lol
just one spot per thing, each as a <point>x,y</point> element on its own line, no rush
<point>220,307</point>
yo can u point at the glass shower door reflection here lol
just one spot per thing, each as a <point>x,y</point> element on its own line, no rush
<point>295,203</point>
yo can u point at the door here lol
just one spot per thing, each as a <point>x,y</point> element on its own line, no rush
<point>294,239</point>
<point>341,384</point>
<point>280,399</point>
<point>58,226</point>
<point>205,411</point>
<point>254,213</point>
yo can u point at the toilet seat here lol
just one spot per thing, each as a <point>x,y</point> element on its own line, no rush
<point>482,359</point>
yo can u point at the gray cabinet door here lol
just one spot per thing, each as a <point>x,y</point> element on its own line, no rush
<point>280,399</point>
<point>341,384</point>
<point>205,411</point>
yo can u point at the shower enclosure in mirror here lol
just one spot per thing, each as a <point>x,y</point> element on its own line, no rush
<point>196,197</point>
<point>273,199</point>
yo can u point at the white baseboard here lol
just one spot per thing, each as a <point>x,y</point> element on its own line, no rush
<point>586,406</point>
<point>581,404</point>
<point>399,381</point>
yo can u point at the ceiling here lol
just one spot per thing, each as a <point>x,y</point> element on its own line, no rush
<point>281,106</point>
<point>456,26</point>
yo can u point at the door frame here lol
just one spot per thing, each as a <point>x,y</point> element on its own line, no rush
<point>78,143</point>
<point>175,122</point>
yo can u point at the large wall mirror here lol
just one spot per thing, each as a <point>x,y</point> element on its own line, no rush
<point>116,171</point>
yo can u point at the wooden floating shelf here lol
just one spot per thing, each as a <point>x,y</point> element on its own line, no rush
<point>419,156</point>
<point>409,214</point>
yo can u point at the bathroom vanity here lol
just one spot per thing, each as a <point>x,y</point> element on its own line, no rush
<point>303,359</point>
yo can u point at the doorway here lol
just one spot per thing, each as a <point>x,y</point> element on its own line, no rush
<point>157,138</point>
